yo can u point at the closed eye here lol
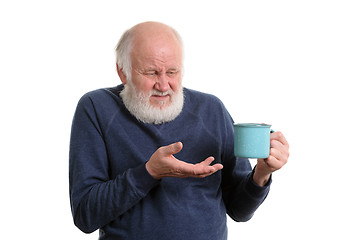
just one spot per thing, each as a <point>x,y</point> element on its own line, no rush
<point>150,73</point>
<point>172,72</point>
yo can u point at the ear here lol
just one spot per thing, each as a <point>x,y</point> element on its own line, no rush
<point>121,75</point>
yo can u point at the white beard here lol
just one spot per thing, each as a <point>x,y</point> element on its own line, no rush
<point>139,106</point>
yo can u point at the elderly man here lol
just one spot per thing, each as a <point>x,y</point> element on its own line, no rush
<point>150,159</point>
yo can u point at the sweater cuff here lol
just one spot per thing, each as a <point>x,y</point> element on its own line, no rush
<point>255,190</point>
<point>142,180</point>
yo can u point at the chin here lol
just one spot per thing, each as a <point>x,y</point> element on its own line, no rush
<point>147,111</point>
<point>160,104</point>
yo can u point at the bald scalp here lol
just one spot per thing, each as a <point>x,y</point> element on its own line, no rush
<point>153,30</point>
<point>150,35</point>
<point>143,35</point>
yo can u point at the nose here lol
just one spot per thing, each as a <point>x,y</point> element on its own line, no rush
<point>162,83</point>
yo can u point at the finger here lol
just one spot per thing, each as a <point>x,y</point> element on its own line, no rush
<point>172,148</point>
<point>276,159</point>
<point>204,168</point>
<point>210,170</point>
<point>214,167</point>
<point>279,146</point>
<point>282,150</point>
<point>280,156</point>
<point>273,163</point>
<point>198,170</point>
<point>279,137</point>
<point>208,161</point>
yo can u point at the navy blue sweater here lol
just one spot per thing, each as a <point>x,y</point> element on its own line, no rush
<point>111,190</point>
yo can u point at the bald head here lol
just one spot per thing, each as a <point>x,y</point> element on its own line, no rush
<point>154,30</point>
<point>143,39</point>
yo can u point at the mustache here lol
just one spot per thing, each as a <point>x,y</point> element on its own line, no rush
<point>160,93</point>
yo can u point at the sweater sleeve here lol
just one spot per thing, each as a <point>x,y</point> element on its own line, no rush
<point>96,199</point>
<point>241,195</point>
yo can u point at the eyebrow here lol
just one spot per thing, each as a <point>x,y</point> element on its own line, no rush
<point>153,68</point>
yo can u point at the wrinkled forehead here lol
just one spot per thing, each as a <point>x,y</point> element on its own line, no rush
<point>158,53</point>
<point>158,44</point>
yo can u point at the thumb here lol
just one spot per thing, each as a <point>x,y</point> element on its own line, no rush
<point>173,148</point>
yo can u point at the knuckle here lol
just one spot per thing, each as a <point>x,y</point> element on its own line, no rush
<point>279,134</point>
<point>176,171</point>
<point>161,150</point>
<point>273,151</point>
<point>274,142</point>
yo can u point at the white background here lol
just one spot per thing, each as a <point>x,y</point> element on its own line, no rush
<point>293,64</point>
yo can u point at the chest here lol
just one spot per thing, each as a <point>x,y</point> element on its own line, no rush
<point>130,145</point>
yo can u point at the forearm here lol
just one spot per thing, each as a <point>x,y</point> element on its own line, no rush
<point>105,201</point>
<point>261,178</point>
<point>245,198</point>
<point>96,197</point>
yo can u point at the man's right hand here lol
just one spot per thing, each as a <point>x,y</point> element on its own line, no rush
<point>163,164</point>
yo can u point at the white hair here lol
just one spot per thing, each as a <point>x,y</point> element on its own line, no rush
<point>123,56</point>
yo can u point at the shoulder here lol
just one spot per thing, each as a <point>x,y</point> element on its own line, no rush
<point>197,96</point>
<point>101,102</point>
<point>203,100</point>
<point>100,105</point>
<point>102,93</point>
<point>101,96</point>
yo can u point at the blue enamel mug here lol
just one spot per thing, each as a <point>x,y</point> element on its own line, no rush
<point>252,140</point>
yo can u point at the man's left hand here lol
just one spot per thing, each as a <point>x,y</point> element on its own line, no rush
<point>278,157</point>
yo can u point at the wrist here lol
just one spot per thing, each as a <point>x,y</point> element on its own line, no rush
<point>260,177</point>
<point>151,172</point>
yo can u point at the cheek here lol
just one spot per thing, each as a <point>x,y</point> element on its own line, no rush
<point>143,84</point>
<point>175,84</point>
